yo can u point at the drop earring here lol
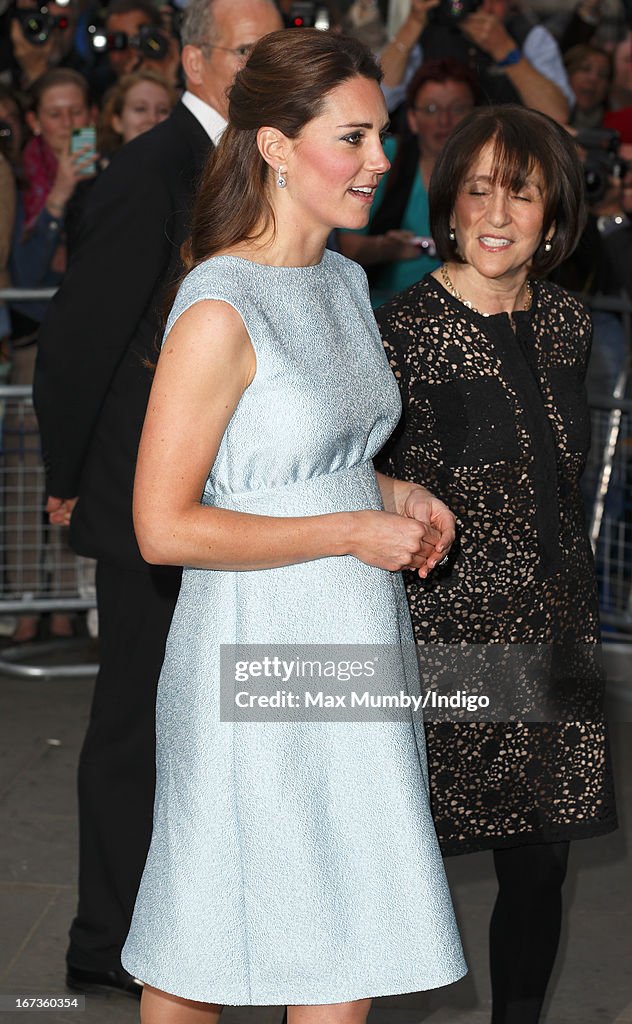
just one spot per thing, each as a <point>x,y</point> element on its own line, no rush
<point>548,245</point>
<point>281,182</point>
<point>452,235</point>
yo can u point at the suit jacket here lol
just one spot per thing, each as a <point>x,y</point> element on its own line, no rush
<point>91,385</point>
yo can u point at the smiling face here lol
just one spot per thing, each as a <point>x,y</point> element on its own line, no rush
<point>146,104</point>
<point>498,228</point>
<point>438,108</point>
<point>590,81</point>
<point>335,165</point>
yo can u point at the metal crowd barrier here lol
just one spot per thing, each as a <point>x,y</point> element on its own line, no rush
<point>608,485</point>
<point>611,521</point>
<point>39,573</point>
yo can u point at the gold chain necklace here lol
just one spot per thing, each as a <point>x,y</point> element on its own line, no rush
<point>457,295</point>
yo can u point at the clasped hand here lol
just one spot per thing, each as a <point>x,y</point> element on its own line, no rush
<point>418,536</point>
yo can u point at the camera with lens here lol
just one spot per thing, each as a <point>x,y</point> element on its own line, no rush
<point>603,161</point>
<point>38,23</point>
<point>450,12</point>
<point>150,42</point>
<point>308,14</point>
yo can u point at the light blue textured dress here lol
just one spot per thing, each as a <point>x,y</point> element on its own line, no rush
<point>291,862</point>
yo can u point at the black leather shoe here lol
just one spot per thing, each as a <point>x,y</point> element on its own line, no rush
<point>103,982</point>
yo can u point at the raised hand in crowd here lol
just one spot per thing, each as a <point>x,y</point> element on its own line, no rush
<point>486,29</point>
<point>71,169</point>
<point>395,56</point>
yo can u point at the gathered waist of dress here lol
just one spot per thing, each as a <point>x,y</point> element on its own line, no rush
<point>350,488</point>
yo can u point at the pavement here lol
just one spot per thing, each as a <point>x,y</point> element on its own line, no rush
<point>41,727</point>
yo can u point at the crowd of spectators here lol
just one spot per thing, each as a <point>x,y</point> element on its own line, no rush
<point>77,83</point>
<point>68,65</point>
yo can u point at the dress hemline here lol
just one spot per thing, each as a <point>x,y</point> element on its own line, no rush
<point>396,989</point>
<point>566,833</point>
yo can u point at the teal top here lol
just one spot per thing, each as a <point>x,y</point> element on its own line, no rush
<point>400,274</point>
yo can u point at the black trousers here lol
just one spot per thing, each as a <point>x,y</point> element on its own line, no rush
<point>525,928</point>
<point>117,764</point>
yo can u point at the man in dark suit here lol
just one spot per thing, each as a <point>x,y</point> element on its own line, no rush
<point>91,390</point>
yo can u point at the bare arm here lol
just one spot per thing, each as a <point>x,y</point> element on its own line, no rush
<point>395,55</point>
<point>205,366</point>
<point>371,249</point>
<point>537,91</point>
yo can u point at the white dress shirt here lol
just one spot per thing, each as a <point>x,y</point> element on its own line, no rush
<point>212,122</point>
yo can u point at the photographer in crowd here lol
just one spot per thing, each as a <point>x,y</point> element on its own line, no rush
<point>515,59</point>
<point>51,173</point>
<point>40,37</point>
<point>135,37</point>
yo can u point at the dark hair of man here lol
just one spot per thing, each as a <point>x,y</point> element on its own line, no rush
<point>524,142</point>
<point>51,79</point>
<point>127,6</point>
<point>284,86</point>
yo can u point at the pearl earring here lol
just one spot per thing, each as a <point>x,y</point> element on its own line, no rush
<point>452,235</point>
<point>281,182</point>
<point>548,245</point>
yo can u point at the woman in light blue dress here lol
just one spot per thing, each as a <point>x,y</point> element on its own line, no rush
<point>291,862</point>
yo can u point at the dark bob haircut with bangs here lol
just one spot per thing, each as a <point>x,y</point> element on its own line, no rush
<point>524,141</point>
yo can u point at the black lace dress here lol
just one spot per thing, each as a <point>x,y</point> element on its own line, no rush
<point>495,423</point>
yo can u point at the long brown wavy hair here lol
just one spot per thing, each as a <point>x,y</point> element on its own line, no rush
<point>283,85</point>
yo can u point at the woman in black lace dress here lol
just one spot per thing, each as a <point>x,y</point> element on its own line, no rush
<point>490,360</point>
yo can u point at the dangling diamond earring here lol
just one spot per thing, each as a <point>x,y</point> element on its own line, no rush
<point>452,235</point>
<point>281,182</point>
<point>548,245</point>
